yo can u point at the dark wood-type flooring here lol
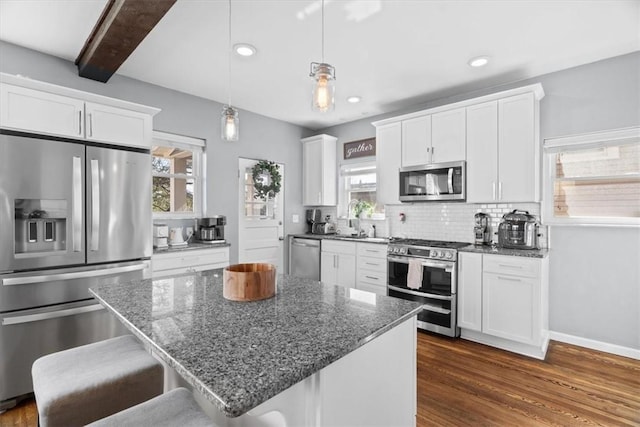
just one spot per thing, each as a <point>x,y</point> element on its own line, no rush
<point>461,383</point>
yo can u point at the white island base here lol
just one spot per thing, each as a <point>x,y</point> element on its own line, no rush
<point>375,385</point>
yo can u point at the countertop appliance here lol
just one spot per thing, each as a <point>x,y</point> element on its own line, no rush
<point>211,229</point>
<point>72,215</point>
<point>312,216</point>
<point>433,182</point>
<point>323,228</point>
<point>518,230</point>
<point>425,271</point>
<point>160,236</point>
<point>482,228</point>
<point>304,257</point>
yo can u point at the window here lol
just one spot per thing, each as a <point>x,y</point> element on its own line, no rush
<point>177,175</point>
<point>593,178</point>
<point>358,184</point>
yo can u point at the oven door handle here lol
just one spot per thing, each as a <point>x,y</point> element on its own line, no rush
<point>435,309</point>
<point>420,294</point>
<point>448,267</point>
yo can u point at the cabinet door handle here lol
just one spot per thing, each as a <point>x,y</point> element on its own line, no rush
<point>80,122</point>
<point>493,191</point>
<point>90,125</point>
<point>500,190</point>
<point>371,263</point>
<point>372,278</point>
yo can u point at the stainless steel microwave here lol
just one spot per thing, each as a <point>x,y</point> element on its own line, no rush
<point>434,182</point>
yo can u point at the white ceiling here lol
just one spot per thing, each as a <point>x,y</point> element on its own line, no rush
<point>391,53</point>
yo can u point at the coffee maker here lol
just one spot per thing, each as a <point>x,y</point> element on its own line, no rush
<point>313,216</point>
<point>211,230</point>
<point>482,229</point>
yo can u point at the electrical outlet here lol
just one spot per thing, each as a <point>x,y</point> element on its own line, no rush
<point>295,218</point>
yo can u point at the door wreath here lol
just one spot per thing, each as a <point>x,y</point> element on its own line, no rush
<point>267,180</point>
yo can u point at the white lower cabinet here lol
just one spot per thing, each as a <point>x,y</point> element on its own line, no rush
<point>338,263</point>
<point>503,301</point>
<point>371,272</point>
<point>185,261</point>
<point>470,291</point>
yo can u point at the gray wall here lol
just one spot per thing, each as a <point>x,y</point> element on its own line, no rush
<point>260,137</point>
<point>594,271</point>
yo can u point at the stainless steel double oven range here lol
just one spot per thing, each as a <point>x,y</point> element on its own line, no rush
<point>435,287</point>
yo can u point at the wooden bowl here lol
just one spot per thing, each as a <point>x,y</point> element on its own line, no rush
<point>249,282</point>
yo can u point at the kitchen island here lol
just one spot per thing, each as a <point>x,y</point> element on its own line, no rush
<point>312,355</point>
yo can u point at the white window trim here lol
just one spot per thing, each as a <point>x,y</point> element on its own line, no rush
<point>199,164</point>
<point>589,140</point>
<point>362,163</point>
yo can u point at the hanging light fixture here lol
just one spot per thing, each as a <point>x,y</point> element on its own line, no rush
<point>230,121</point>
<point>324,76</point>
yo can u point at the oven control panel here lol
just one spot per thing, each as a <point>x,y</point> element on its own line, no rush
<point>440,254</point>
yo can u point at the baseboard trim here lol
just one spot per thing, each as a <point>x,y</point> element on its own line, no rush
<point>595,345</point>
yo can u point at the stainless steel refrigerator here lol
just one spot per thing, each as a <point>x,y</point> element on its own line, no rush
<point>72,215</point>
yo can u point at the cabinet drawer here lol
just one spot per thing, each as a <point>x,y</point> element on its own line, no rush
<point>375,264</point>
<point>511,265</point>
<point>337,246</point>
<point>372,277</point>
<point>184,259</point>
<point>372,250</point>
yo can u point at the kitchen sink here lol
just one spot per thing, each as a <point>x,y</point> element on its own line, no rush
<point>363,238</point>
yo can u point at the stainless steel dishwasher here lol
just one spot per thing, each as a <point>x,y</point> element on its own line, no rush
<point>304,257</point>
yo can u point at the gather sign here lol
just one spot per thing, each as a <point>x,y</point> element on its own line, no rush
<point>361,148</point>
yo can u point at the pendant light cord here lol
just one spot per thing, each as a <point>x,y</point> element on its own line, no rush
<point>323,31</point>
<point>229,60</point>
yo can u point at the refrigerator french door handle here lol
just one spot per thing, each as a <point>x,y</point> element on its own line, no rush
<point>25,280</point>
<point>16,320</point>
<point>76,213</point>
<point>95,205</point>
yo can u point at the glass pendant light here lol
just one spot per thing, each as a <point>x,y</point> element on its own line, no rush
<point>324,76</point>
<point>230,121</point>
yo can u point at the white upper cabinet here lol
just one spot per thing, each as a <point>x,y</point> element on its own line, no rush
<point>518,149</point>
<point>117,126</point>
<point>319,179</point>
<point>482,152</point>
<point>436,138</point>
<point>503,163</point>
<point>33,106</point>
<point>448,136</point>
<point>32,110</point>
<point>388,157</point>
<point>416,141</point>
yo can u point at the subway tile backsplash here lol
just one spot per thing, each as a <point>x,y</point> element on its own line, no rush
<point>441,221</point>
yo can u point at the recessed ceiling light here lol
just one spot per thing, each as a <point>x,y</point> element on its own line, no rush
<point>354,99</point>
<point>479,61</point>
<point>244,49</point>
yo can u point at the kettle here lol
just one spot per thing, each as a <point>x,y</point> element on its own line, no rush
<point>175,236</point>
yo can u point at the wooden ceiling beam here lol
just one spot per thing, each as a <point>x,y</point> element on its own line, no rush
<point>119,30</point>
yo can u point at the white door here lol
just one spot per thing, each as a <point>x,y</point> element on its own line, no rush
<point>261,233</point>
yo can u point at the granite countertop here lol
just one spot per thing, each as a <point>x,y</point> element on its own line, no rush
<point>240,354</point>
<point>190,247</point>
<point>380,240</point>
<point>495,250</point>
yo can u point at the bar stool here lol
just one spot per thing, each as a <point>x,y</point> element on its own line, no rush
<point>84,384</point>
<point>174,408</point>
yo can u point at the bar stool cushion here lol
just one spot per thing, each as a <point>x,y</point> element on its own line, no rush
<point>174,408</point>
<point>83,384</point>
